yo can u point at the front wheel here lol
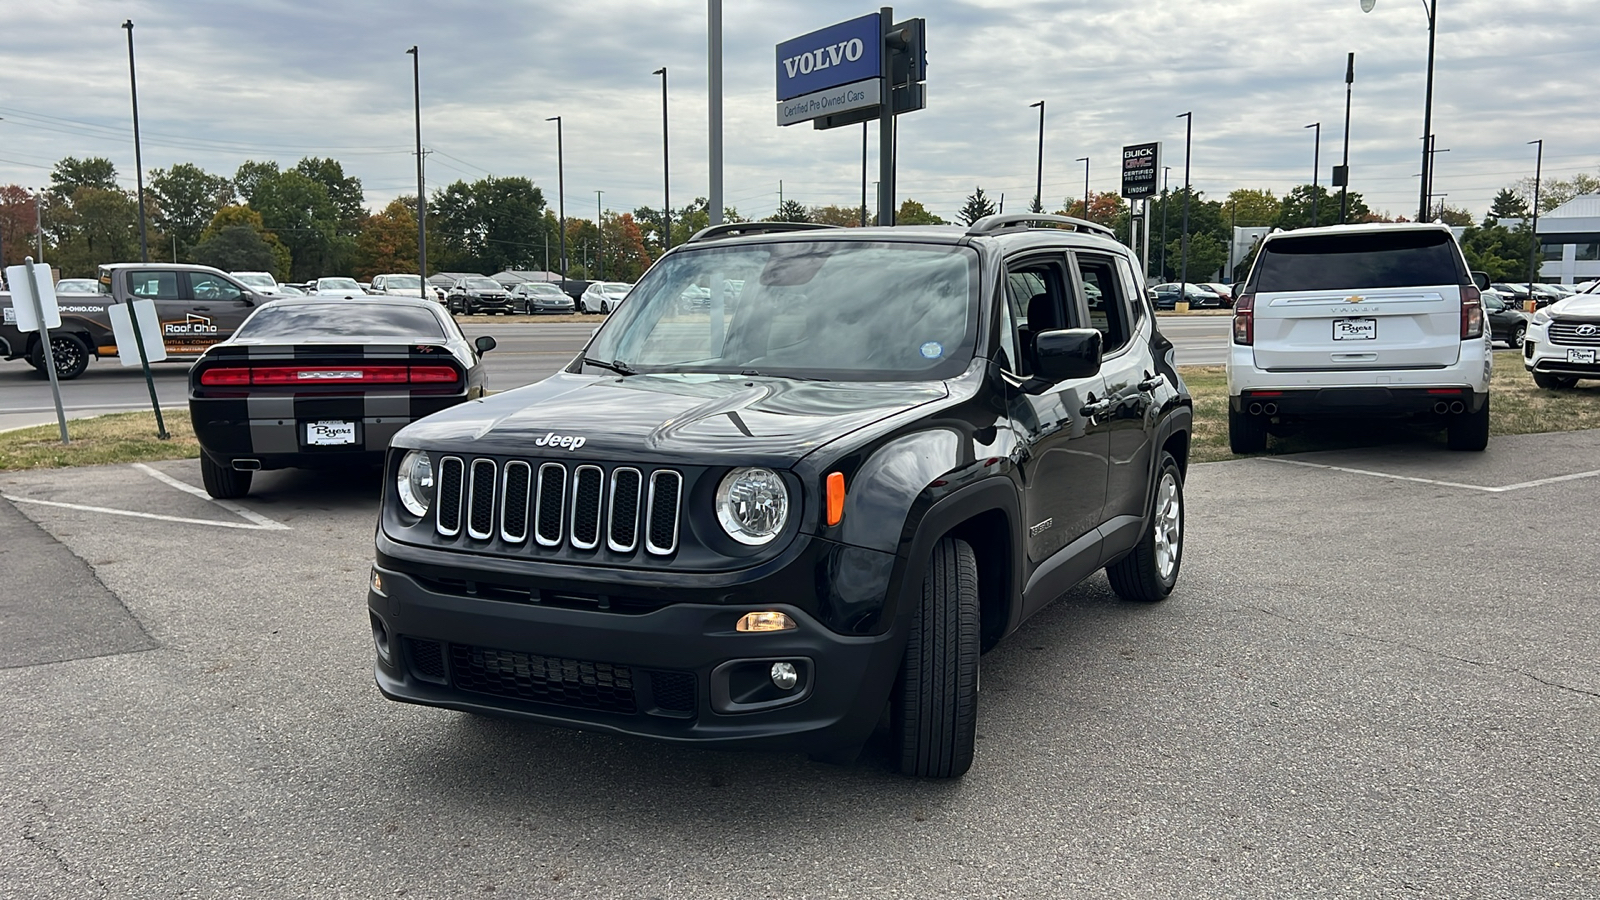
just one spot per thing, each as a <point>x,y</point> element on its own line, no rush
<point>1553,382</point>
<point>71,356</point>
<point>935,706</point>
<point>223,482</point>
<point>605,308</point>
<point>1149,573</point>
<point>1469,431</point>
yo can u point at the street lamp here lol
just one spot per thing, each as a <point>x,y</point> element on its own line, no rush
<point>561,193</point>
<point>1038,190</point>
<point>666,178</point>
<point>1085,161</point>
<point>1533,235</point>
<point>422,197</point>
<point>600,229</point>
<point>1427,105</point>
<point>1344,169</point>
<point>138,163</point>
<point>38,223</point>
<point>1316,166</point>
<point>1164,203</point>
<point>1183,265</point>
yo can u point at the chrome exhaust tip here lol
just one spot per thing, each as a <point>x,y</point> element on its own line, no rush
<point>247,465</point>
<point>1255,409</point>
<point>1270,409</point>
<point>1458,407</point>
<point>1441,407</point>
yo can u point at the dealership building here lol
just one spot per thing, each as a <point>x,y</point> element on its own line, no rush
<point>1569,238</point>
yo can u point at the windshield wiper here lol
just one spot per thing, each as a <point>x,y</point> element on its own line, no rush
<point>616,365</point>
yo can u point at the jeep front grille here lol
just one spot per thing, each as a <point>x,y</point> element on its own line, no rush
<point>574,506</point>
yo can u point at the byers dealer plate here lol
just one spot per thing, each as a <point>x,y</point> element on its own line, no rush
<point>1355,329</point>
<point>331,433</point>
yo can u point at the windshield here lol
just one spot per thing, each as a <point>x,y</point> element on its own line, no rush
<point>544,288</point>
<point>616,289</point>
<point>256,279</point>
<point>402,281</point>
<point>840,310</point>
<point>323,321</point>
<point>480,284</point>
<point>337,284</point>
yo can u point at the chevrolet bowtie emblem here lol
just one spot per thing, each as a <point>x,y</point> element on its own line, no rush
<point>1354,299</point>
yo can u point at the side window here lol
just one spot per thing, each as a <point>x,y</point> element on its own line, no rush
<point>1037,300</point>
<point>1008,358</point>
<point>1133,289</point>
<point>210,287</point>
<point>1108,307</point>
<point>153,285</point>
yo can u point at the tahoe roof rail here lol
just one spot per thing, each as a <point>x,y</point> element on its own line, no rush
<point>992,224</point>
<point>738,229</point>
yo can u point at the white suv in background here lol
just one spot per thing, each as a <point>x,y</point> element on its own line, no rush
<point>1357,322</point>
<point>1563,341</point>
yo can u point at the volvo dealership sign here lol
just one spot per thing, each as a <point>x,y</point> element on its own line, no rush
<point>830,57</point>
<point>1140,164</point>
<point>861,95</point>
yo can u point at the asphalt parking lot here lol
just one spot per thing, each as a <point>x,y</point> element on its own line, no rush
<point>1379,677</point>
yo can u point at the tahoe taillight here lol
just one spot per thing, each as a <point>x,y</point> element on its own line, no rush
<point>1244,320</point>
<point>1471,313</point>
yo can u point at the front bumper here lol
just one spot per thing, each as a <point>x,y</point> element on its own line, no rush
<point>677,673</point>
<point>1540,354</point>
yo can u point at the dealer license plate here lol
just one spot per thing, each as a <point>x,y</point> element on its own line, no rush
<point>1355,329</point>
<point>1581,356</point>
<point>325,434</point>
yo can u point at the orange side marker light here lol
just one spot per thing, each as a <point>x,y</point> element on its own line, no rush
<point>835,497</point>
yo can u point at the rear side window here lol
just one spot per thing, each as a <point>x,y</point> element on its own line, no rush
<point>1357,261</point>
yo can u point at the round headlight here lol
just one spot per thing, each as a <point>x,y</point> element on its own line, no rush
<point>415,483</point>
<point>752,505</point>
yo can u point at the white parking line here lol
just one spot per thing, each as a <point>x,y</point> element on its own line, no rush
<point>254,521</point>
<point>1454,484</point>
<point>234,508</point>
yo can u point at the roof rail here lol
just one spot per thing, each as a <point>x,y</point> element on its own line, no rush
<point>992,224</point>
<point>738,229</point>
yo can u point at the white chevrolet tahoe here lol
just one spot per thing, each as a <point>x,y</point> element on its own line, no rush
<point>1357,322</point>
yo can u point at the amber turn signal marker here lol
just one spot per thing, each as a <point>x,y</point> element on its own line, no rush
<point>835,497</point>
<point>765,621</point>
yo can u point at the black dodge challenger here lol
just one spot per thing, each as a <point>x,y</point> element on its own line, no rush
<point>308,383</point>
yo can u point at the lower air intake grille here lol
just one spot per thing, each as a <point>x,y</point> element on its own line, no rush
<point>427,659</point>
<point>674,691</point>
<point>543,679</point>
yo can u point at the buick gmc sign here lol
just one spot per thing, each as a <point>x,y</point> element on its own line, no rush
<point>839,54</point>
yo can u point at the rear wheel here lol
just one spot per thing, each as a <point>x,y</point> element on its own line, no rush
<point>222,482</point>
<point>70,352</point>
<point>1553,382</point>
<point>1150,572</point>
<point>935,708</point>
<point>1246,433</point>
<point>1519,335</point>
<point>1469,431</point>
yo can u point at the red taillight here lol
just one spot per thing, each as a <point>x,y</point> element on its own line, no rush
<point>1471,313</point>
<point>1244,320</point>
<point>433,375</point>
<point>220,377</point>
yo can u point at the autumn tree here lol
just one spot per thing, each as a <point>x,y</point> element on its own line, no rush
<point>16,225</point>
<point>842,216</point>
<point>626,257</point>
<point>913,213</point>
<point>1105,208</point>
<point>388,240</point>
<point>1555,191</point>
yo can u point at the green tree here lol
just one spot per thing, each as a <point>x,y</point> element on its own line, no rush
<point>1295,211</point>
<point>491,225</point>
<point>298,210</point>
<point>388,240</point>
<point>1555,191</point>
<point>99,226</point>
<point>1508,204</point>
<point>977,206</point>
<point>250,175</point>
<point>1207,257</point>
<point>344,191</point>
<point>790,211</point>
<point>71,173</point>
<point>913,213</point>
<point>229,216</point>
<point>1251,208</point>
<point>842,216</point>
<point>236,248</point>
<point>1454,215</point>
<point>1498,250</point>
<point>186,199</point>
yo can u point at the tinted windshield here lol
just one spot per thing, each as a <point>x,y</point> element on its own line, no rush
<point>481,284</point>
<point>402,281</point>
<point>337,284</point>
<point>1355,261</point>
<point>837,310</point>
<point>616,289</point>
<point>542,288</point>
<point>340,321</point>
<point>255,280</point>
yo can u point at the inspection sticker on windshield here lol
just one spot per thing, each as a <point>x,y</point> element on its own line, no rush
<point>323,434</point>
<point>1355,329</point>
<point>932,350</point>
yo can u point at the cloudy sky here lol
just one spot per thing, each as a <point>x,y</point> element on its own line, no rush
<point>223,81</point>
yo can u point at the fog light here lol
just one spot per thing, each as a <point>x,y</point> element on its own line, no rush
<point>784,675</point>
<point>377,584</point>
<point>765,621</point>
<point>380,636</point>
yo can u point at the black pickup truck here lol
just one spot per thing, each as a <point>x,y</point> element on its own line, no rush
<point>197,305</point>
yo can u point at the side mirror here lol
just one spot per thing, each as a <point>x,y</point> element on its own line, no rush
<point>1067,354</point>
<point>1481,279</point>
<point>484,343</point>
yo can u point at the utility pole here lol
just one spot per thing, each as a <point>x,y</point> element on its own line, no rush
<point>600,229</point>
<point>1533,234</point>
<point>138,162</point>
<point>1344,181</point>
<point>1038,183</point>
<point>422,196</point>
<point>666,168</point>
<point>1316,168</point>
<point>1183,266</point>
<point>561,191</point>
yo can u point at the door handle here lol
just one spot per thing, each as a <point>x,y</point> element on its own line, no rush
<point>1097,408</point>
<point>1150,384</point>
<point>201,308</point>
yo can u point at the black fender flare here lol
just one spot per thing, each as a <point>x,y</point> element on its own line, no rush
<point>997,493</point>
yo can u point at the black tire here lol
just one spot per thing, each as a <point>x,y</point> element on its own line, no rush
<point>1150,572</point>
<point>1552,382</point>
<point>1469,431</point>
<point>1246,433</point>
<point>1519,336</point>
<point>605,308</point>
<point>71,356</point>
<point>222,482</point>
<point>935,708</point>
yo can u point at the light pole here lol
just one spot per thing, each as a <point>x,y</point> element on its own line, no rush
<point>666,176</point>
<point>1432,167</point>
<point>1533,235</point>
<point>1344,180</point>
<point>422,197</point>
<point>1316,167</point>
<point>1163,264</point>
<point>38,223</point>
<point>561,193</point>
<point>1427,103</point>
<point>600,231</point>
<point>1085,161</point>
<point>138,163</point>
<point>1038,189</point>
<point>714,106</point>
<point>1183,265</point>
<point>863,174</point>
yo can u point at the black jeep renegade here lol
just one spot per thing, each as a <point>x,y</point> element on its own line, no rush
<point>801,476</point>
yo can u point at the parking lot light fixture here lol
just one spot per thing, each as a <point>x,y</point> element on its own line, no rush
<point>1533,232</point>
<point>422,197</point>
<point>1085,161</point>
<point>1432,7</point>
<point>1316,166</point>
<point>1038,189</point>
<point>561,194</point>
<point>666,170</point>
<point>138,162</point>
<point>1163,264</point>
<point>1344,189</point>
<point>1183,265</point>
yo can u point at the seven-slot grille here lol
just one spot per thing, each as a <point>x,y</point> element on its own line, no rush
<point>1575,334</point>
<point>578,505</point>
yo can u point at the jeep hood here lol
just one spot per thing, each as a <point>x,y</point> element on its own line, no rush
<point>694,419</point>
